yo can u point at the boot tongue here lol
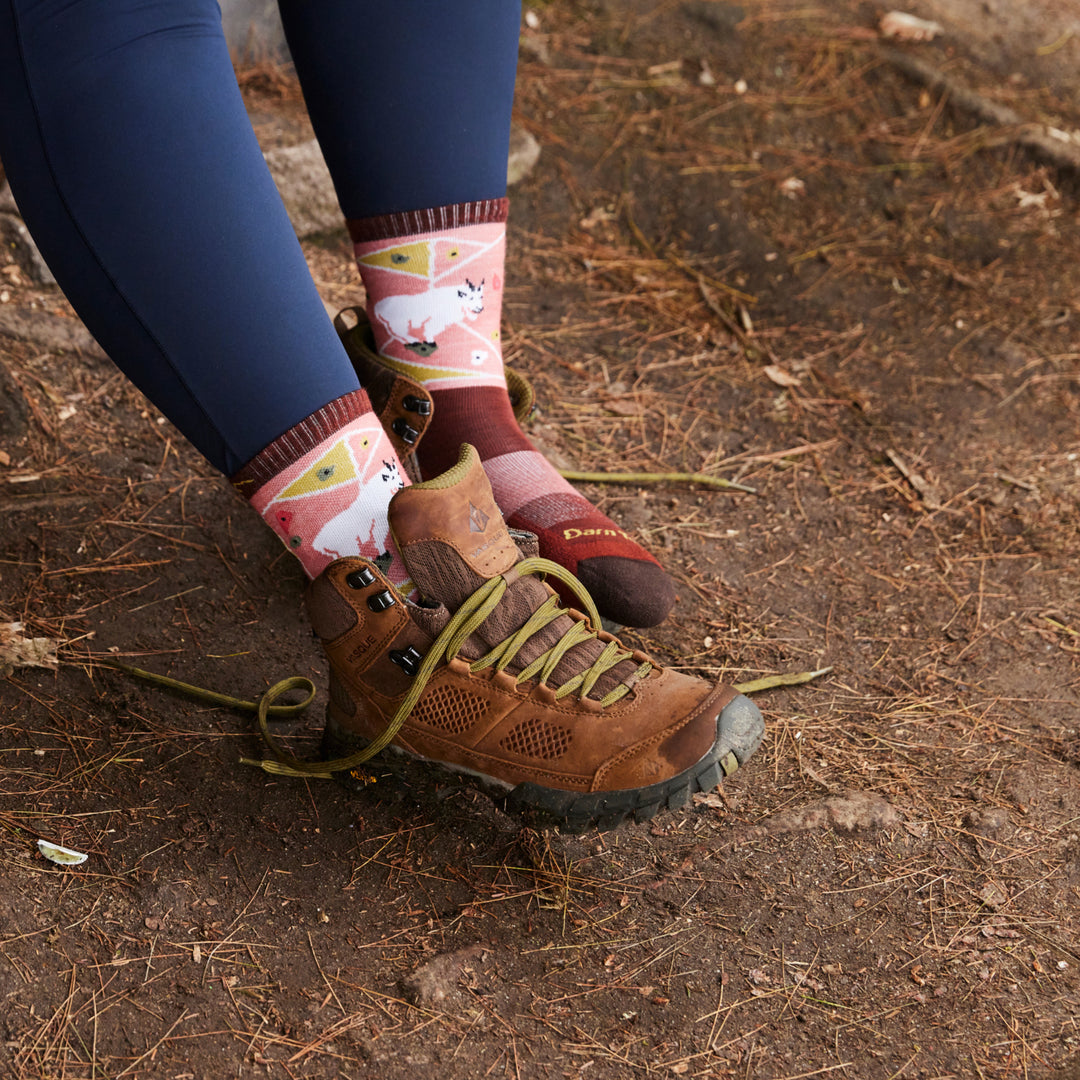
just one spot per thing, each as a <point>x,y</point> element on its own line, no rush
<point>450,533</point>
<point>452,539</point>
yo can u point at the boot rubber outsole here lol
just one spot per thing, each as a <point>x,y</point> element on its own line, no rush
<point>739,731</point>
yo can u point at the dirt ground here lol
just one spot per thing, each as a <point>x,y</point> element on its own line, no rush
<point>756,246</point>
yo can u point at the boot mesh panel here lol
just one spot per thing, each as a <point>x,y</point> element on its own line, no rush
<point>537,738</point>
<point>449,709</point>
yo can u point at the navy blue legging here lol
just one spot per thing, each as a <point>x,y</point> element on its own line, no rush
<point>132,160</point>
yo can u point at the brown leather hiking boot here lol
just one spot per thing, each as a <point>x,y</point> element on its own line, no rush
<point>488,675</point>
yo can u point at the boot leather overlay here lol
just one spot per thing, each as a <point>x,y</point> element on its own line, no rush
<point>463,517</point>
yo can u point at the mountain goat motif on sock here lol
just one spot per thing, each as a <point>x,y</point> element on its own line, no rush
<point>417,319</point>
<point>340,536</point>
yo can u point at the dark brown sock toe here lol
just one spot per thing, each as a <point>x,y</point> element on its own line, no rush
<point>628,591</point>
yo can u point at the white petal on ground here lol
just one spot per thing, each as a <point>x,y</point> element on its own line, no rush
<point>62,856</point>
<point>905,27</point>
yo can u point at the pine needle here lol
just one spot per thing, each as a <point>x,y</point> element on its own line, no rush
<point>654,478</point>
<point>795,678</point>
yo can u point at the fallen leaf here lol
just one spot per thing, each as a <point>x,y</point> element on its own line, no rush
<point>993,896</point>
<point>711,800</point>
<point>17,651</point>
<point>779,376</point>
<point>847,813</point>
<point>623,406</point>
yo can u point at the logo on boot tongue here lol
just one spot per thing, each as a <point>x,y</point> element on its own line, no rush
<point>478,520</point>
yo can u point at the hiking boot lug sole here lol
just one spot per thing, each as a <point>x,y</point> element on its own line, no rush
<point>739,732</point>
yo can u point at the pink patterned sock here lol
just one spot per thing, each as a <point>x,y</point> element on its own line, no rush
<point>434,282</point>
<point>324,487</point>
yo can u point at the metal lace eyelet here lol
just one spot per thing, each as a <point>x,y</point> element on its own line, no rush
<point>413,404</point>
<point>381,601</point>
<point>408,659</point>
<point>405,431</point>
<point>360,579</point>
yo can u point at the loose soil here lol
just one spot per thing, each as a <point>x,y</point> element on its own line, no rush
<point>823,282</point>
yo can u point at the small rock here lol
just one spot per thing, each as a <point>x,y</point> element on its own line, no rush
<point>792,187</point>
<point>524,154</point>
<point>850,812</point>
<point>905,27</point>
<point>16,238</point>
<point>14,411</point>
<point>52,332</point>
<point>304,183</point>
<point>303,180</point>
<point>437,980</point>
<point>987,822</point>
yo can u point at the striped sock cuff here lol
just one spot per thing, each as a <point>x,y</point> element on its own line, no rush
<point>524,477</point>
<point>435,219</point>
<point>300,440</point>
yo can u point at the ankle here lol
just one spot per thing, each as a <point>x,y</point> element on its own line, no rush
<point>434,282</point>
<point>324,486</point>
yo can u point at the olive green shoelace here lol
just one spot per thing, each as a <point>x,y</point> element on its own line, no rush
<point>446,647</point>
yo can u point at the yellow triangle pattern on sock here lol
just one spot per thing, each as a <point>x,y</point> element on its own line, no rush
<point>335,467</point>
<point>414,258</point>
<point>425,374</point>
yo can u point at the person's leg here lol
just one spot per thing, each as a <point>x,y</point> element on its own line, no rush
<point>134,170</point>
<point>131,157</point>
<point>411,104</point>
